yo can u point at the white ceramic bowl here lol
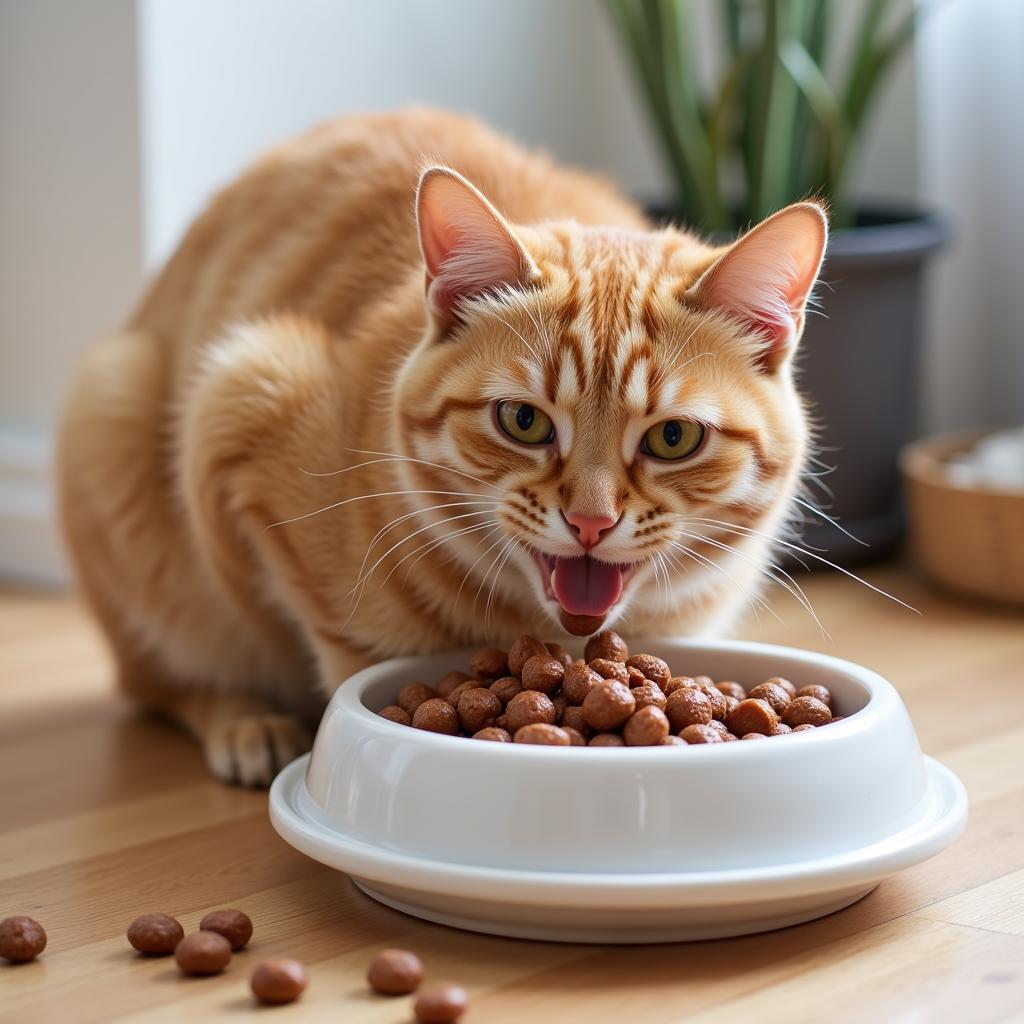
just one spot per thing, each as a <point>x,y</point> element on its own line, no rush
<point>622,844</point>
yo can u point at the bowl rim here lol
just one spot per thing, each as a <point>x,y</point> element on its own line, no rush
<point>882,695</point>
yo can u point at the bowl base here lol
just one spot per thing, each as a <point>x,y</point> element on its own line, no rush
<point>678,923</point>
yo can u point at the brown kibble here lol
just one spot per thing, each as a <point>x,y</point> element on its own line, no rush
<point>278,981</point>
<point>577,682</point>
<point>21,939</point>
<point>754,736</point>
<point>719,707</point>
<point>608,669</point>
<point>806,711</point>
<point>730,703</point>
<point>412,695</point>
<point>529,708</point>
<point>701,734</point>
<point>543,734</point>
<point>731,689</point>
<point>494,734</point>
<point>606,645</point>
<point>543,673</point>
<point>478,709</point>
<point>703,681</point>
<point>678,683</point>
<point>393,713</point>
<point>607,739</point>
<point>774,694</point>
<point>752,715</point>
<point>203,952</point>
<point>636,677</point>
<point>781,729</point>
<point>443,1004</point>
<point>653,668</point>
<point>436,715</point>
<point>501,722</point>
<point>720,728</point>
<point>156,934</point>
<point>674,741</point>
<point>560,707</point>
<point>449,681</point>
<point>558,652</point>
<point>821,693</point>
<point>576,738</point>
<point>804,727</point>
<point>489,664</point>
<point>395,972</point>
<point>646,727</point>
<point>608,705</point>
<point>573,718</point>
<point>455,696</point>
<point>649,695</point>
<point>785,684</point>
<point>687,706</point>
<point>505,688</point>
<point>522,651</point>
<point>836,718</point>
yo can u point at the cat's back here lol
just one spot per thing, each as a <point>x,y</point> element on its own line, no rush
<point>324,225</point>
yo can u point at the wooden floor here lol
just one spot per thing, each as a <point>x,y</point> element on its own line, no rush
<point>105,814</point>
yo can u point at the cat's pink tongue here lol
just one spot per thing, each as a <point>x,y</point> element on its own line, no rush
<point>585,586</point>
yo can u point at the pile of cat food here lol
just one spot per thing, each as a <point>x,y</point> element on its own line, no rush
<point>274,982</point>
<point>537,693</point>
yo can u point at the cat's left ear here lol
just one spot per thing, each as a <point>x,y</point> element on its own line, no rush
<point>766,278</point>
<point>468,247</point>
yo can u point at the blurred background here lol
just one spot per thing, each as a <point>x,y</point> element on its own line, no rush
<point>119,118</point>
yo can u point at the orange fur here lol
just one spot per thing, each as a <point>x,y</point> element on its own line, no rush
<point>287,361</point>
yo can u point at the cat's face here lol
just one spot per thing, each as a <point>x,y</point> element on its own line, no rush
<point>605,398</point>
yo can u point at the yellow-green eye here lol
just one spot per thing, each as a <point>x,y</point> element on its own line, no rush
<point>673,439</point>
<point>525,423</point>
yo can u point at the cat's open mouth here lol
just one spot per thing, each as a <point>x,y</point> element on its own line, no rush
<point>584,588</point>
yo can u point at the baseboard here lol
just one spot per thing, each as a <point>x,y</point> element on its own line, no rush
<point>30,547</point>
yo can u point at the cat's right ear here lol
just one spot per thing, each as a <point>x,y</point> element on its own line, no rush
<point>468,247</point>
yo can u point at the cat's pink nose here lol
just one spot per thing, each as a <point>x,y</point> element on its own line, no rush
<point>589,529</point>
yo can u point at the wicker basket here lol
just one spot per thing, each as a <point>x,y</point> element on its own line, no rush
<point>967,539</point>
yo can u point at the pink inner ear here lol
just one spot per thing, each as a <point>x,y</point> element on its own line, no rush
<point>467,247</point>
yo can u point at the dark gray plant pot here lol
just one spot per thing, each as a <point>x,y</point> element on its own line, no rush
<point>859,367</point>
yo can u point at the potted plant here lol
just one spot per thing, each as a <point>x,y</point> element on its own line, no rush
<point>774,124</point>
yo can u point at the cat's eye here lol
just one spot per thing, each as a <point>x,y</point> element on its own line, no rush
<point>525,423</point>
<point>673,439</point>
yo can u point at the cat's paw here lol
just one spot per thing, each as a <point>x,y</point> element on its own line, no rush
<point>250,751</point>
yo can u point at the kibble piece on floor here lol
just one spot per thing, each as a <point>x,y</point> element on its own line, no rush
<point>731,689</point>
<point>752,715</point>
<point>436,715</point>
<point>527,708</point>
<point>687,706</point>
<point>395,972</point>
<point>774,694</point>
<point>505,688</point>
<point>822,693</point>
<point>522,651</point>
<point>449,681</point>
<point>701,734</point>
<point>494,734</point>
<point>478,709</point>
<point>443,1004</point>
<point>412,695</point>
<point>606,739</point>
<point>608,669</point>
<point>155,934</point>
<point>489,664</point>
<point>806,711</point>
<point>543,734</point>
<point>203,953</point>
<point>21,939</point>
<point>652,668</point>
<point>608,705</point>
<point>785,684</point>
<point>646,727</point>
<point>543,673</point>
<point>278,981</point>
<point>234,925</point>
<point>606,645</point>
<point>577,682</point>
<point>393,713</point>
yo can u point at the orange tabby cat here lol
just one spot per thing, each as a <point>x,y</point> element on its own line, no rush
<point>352,419</point>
